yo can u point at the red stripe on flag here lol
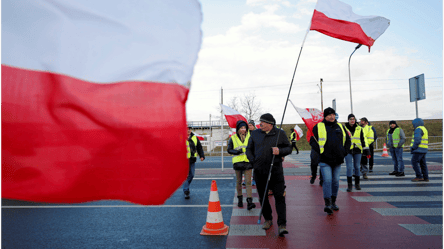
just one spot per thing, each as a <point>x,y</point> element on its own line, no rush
<point>232,119</point>
<point>67,140</point>
<point>344,30</point>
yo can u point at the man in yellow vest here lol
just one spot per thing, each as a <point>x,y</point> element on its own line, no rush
<point>195,150</point>
<point>395,143</point>
<point>332,142</point>
<point>419,148</point>
<point>293,140</point>
<point>369,135</point>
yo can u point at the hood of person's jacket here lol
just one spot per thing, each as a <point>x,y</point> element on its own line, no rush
<point>239,124</point>
<point>417,122</point>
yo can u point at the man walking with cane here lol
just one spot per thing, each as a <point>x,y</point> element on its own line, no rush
<point>260,152</point>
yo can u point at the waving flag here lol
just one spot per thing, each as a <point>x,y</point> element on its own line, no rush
<point>310,116</point>
<point>299,132</point>
<point>93,98</point>
<point>336,19</point>
<point>232,116</point>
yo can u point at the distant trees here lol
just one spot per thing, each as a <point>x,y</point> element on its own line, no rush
<point>248,105</point>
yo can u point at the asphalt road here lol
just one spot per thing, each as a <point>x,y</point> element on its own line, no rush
<point>117,224</point>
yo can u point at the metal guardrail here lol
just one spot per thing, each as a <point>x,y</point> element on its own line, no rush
<point>435,142</point>
<point>206,124</point>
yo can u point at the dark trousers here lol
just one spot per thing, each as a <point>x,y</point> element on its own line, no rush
<point>293,144</point>
<point>372,153</point>
<point>419,165</point>
<point>277,185</point>
<point>315,159</point>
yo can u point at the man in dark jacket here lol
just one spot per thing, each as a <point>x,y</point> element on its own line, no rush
<point>332,142</point>
<point>196,150</point>
<point>419,148</point>
<point>260,152</point>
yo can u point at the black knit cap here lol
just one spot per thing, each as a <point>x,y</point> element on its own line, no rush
<point>351,116</point>
<point>392,122</point>
<point>251,122</point>
<point>268,118</point>
<point>364,119</point>
<point>329,111</point>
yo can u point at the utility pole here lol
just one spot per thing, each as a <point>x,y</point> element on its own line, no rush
<point>322,100</point>
<point>222,127</point>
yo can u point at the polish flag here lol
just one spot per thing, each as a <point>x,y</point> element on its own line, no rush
<point>336,19</point>
<point>93,98</point>
<point>232,116</point>
<point>310,116</point>
<point>299,132</point>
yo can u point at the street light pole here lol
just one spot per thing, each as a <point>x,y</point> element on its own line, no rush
<point>322,100</point>
<point>349,77</point>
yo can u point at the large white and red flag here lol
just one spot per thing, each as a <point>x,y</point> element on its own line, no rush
<point>310,116</point>
<point>232,116</point>
<point>337,19</point>
<point>299,132</point>
<point>93,98</point>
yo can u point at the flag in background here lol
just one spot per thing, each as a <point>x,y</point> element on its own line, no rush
<point>336,19</point>
<point>232,116</point>
<point>93,98</point>
<point>299,132</point>
<point>310,116</point>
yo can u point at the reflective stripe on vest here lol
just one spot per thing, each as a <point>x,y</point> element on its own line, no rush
<point>322,136</point>
<point>356,138</point>
<point>369,134</point>
<point>238,145</point>
<point>396,137</point>
<point>424,139</point>
<point>188,150</point>
<point>194,139</point>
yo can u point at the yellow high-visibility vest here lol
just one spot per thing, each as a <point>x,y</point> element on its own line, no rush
<point>194,139</point>
<point>188,150</point>
<point>424,139</point>
<point>238,145</point>
<point>396,137</point>
<point>369,134</point>
<point>356,138</point>
<point>322,135</point>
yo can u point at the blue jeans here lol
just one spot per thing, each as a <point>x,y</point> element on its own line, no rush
<point>419,159</point>
<point>186,185</point>
<point>398,163</point>
<point>353,167</point>
<point>331,179</point>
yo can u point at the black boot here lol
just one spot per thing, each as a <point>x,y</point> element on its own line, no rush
<point>350,183</point>
<point>327,207</point>
<point>239,198</point>
<point>333,203</point>
<point>250,204</point>
<point>357,186</point>
<point>312,179</point>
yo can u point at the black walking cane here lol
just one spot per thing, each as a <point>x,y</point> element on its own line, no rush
<point>279,132</point>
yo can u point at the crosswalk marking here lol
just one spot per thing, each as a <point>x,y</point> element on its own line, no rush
<point>409,211</point>
<point>424,229</point>
<point>246,230</point>
<point>399,189</point>
<point>396,198</point>
<point>372,177</point>
<point>394,182</point>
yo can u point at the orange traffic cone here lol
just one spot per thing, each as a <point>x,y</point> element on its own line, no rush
<point>215,224</point>
<point>384,152</point>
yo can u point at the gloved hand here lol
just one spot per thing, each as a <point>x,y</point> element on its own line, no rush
<point>238,152</point>
<point>399,146</point>
<point>366,152</point>
<point>369,156</point>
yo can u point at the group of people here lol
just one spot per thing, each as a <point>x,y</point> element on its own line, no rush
<point>263,151</point>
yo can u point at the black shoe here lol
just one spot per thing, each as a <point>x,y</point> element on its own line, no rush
<point>250,204</point>
<point>240,199</point>
<point>349,184</point>
<point>312,179</point>
<point>282,230</point>
<point>394,173</point>
<point>370,169</point>
<point>400,174</point>
<point>327,207</point>
<point>321,182</point>
<point>357,185</point>
<point>187,194</point>
<point>333,203</point>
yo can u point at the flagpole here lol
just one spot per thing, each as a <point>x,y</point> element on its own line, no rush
<point>282,121</point>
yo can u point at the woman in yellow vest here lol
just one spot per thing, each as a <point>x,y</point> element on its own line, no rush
<point>237,146</point>
<point>359,146</point>
<point>419,148</point>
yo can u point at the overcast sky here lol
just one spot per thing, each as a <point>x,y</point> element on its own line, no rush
<point>252,46</point>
